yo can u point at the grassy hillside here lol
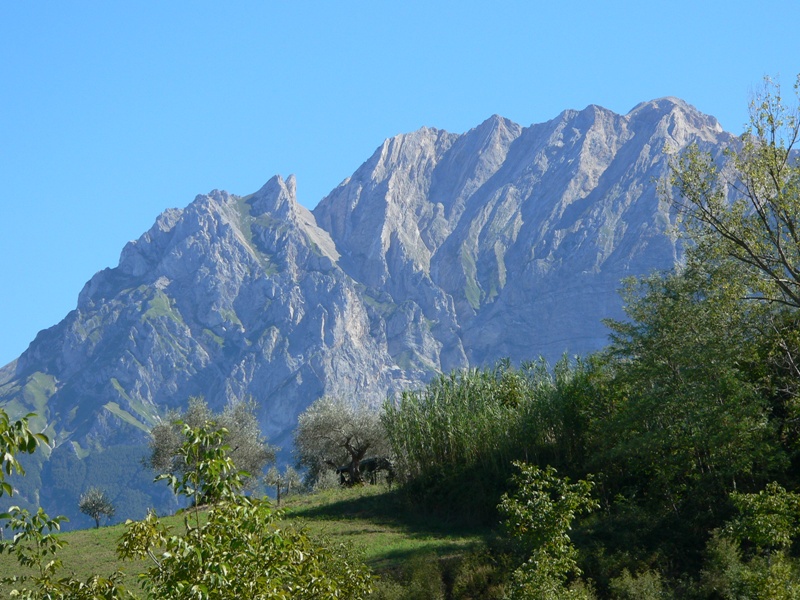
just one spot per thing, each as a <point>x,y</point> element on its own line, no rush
<point>374,519</point>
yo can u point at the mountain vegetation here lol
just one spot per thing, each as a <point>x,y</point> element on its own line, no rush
<point>333,433</point>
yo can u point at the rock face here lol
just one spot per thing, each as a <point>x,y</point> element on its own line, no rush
<point>442,251</point>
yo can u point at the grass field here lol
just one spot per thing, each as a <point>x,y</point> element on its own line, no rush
<point>378,521</point>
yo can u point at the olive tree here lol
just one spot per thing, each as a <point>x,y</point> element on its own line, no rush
<point>283,483</point>
<point>95,503</point>
<point>248,448</point>
<point>335,433</point>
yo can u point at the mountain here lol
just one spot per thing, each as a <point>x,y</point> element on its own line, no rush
<point>442,251</point>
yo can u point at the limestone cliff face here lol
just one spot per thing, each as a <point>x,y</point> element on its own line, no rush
<point>441,251</point>
<point>515,239</point>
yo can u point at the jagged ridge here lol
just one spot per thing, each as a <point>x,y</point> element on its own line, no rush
<point>441,251</point>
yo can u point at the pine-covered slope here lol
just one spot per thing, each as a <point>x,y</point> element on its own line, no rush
<point>441,251</point>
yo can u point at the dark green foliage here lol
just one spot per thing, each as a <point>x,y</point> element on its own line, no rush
<point>750,557</point>
<point>65,471</point>
<point>421,579</point>
<point>645,585</point>
<point>538,516</point>
<point>688,416</point>
<point>769,519</point>
<point>480,577</point>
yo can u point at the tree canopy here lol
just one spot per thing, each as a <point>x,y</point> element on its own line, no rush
<point>747,207</point>
<point>95,503</point>
<point>247,446</point>
<point>334,433</point>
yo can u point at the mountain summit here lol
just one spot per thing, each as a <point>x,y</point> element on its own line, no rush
<point>442,251</point>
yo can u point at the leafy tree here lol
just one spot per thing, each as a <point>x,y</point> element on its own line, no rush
<point>237,549</point>
<point>748,209</point>
<point>34,543</point>
<point>334,433</point>
<point>248,447</point>
<point>539,515</point>
<point>646,585</point>
<point>750,557</point>
<point>95,503</point>
<point>35,546</point>
<point>687,411</point>
<point>701,391</point>
<point>769,519</point>
<point>207,472</point>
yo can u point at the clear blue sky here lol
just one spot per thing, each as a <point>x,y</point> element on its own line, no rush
<point>111,112</point>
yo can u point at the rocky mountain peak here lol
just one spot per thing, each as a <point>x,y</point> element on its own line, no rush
<point>277,201</point>
<point>276,197</point>
<point>442,251</point>
<point>676,120</point>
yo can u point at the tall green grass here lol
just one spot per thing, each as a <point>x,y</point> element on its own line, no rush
<point>455,440</point>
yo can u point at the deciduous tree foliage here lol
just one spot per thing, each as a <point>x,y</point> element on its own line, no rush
<point>748,208</point>
<point>701,383</point>
<point>691,419</point>
<point>15,437</point>
<point>539,515</point>
<point>34,543</point>
<point>750,557</point>
<point>237,549</point>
